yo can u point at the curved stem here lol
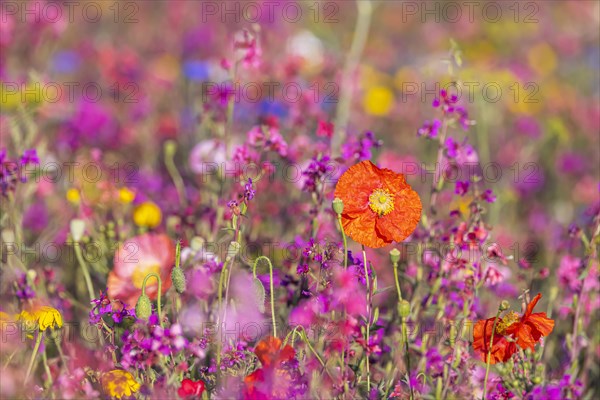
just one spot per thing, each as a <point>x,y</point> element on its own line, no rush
<point>36,348</point>
<point>489,355</point>
<point>270,287</point>
<point>150,275</point>
<point>169,152</point>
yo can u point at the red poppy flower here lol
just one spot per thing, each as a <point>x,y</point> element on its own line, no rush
<point>511,330</point>
<point>272,380</point>
<point>190,389</point>
<point>379,206</point>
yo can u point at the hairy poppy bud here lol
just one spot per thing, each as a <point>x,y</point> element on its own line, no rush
<point>338,205</point>
<point>394,256</point>
<point>404,309</point>
<point>143,308</point>
<point>178,279</point>
<point>505,305</point>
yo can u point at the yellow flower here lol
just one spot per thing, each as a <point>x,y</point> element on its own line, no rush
<point>12,96</point>
<point>147,214</point>
<point>542,59</point>
<point>41,318</point>
<point>378,100</point>
<point>126,196</point>
<point>119,383</point>
<point>73,196</point>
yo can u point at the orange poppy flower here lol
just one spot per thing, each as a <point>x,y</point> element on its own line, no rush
<point>134,260</point>
<point>525,332</point>
<point>272,380</point>
<point>379,206</point>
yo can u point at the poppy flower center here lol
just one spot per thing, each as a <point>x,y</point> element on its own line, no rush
<point>506,322</point>
<point>139,273</point>
<point>381,202</point>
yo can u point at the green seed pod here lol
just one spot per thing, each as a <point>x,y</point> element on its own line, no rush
<point>404,309</point>
<point>178,279</point>
<point>505,305</point>
<point>338,205</point>
<point>143,308</point>
<point>394,256</point>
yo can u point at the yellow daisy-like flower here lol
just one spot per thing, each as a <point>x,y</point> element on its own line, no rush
<point>147,215</point>
<point>126,196</point>
<point>41,318</point>
<point>119,383</point>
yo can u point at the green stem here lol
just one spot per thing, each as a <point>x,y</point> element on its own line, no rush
<point>271,289</point>
<point>36,348</point>
<point>220,307</point>
<point>406,355</point>
<point>367,279</point>
<point>395,266</point>
<point>60,352</point>
<point>150,275</point>
<point>47,369</point>
<point>489,354</point>
<point>84,268</point>
<point>339,218</point>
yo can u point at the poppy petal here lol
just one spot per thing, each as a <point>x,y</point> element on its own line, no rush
<point>362,230</point>
<point>531,305</point>
<point>540,323</point>
<point>401,222</point>
<point>524,336</point>
<point>355,186</point>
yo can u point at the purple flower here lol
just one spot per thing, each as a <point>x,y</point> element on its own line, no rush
<point>359,149</point>
<point>29,157</point>
<point>116,309</point>
<point>23,290</point>
<point>461,188</point>
<point>445,101</point>
<point>302,269</point>
<point>451,147</point>
<point>489,196</point>
<point>430,129</point>
<point>568,272</point>
<point>249,192</point>
<point>316,172</point>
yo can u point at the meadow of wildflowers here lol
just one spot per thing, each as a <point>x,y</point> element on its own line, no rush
<point>299,199</point>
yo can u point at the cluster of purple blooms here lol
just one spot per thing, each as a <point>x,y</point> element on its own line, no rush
<point>104,307</point>
<point>448,104</point>
<point>142,345</point>
<point>13,172</point>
